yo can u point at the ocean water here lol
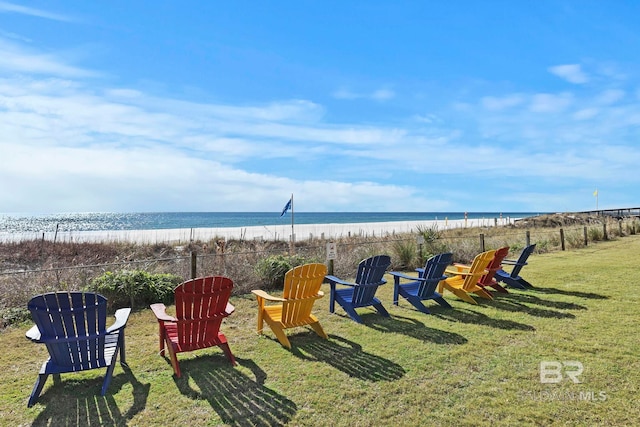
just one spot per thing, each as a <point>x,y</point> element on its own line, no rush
<point>18,223</point>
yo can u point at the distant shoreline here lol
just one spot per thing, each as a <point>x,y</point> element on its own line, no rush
<point>268,233</point>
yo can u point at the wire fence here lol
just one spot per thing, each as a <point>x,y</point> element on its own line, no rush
<point>238,259</point>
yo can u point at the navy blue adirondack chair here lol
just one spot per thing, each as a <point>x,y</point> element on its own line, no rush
<point>512,278</point>
<point>369,277</point>
<point>73,327</point>
<point>423,287</point>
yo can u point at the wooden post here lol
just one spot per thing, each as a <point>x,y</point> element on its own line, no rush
<point>194,268</point>
<point>604,231</point>
<point>528,238</point>
<point>562,238</point>
<point>585,236</point>
<point>330,268</point>
<point>620,227</point>
<point>481,242</point>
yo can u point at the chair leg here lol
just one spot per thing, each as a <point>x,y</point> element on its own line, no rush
<point>381,310</point>
<point>161,334</point>
<point>418,305</point>
<point>260,316</point>
<point>526,284</point>
<point>442,302</point>
<point>462,295</point>
<point>174,359</point>
<point>123,360</point>
<point>396,291</point>
<point>108,376</point>
<point>318,330</point>
<point>37,389</point>
<point>332,298</point>
<point>227,352</point>
<point>483,294</point>
<point>499,288</point>
<point>352,313</point>
<point>281,336</point>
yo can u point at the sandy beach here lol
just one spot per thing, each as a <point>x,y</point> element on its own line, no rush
<point>267,233</point>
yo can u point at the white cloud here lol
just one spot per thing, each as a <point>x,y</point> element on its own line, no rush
<point>383,94</point>
<point>499,103</point>
<point>377,95</point>
<point>15,58</point>
<point>550,103</point>
<point>585,113</point>
<point>570,72</point>
<point>6,7</point>
<point>610,96</point>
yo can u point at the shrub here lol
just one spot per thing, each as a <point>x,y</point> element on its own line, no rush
<point>272,269</point>
<point>135,288</point>
<point>13,315</point>
<point>595,234</point>
<point>404,253</point>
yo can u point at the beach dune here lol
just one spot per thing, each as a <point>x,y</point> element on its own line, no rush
<point>267,233</point>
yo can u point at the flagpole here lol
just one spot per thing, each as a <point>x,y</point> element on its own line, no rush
<point>292,233</point>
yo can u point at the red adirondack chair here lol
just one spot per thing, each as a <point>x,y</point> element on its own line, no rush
<point>201,305</point>
<point>488,280</point>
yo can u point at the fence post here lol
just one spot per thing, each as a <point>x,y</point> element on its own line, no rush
<point>562,238</point>
<point>528,238</point>
<point>481,242</point>
<point>194,268</point>
<point>585,236</point>
<point>604,231</point>
<point>620,227</point>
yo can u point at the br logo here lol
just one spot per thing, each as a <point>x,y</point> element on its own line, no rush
<point>551,371</point>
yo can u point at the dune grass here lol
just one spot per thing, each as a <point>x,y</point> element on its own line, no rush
<point>472,365</point>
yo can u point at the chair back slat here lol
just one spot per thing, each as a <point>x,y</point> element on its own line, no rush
<point>477,270</point>
<point>522,260</point>
<point>73,327</point>
<point>494,265</point>
<point>301,287</point>
<point>433,272</point>
<point>369,276</point>
<point>200,309</point>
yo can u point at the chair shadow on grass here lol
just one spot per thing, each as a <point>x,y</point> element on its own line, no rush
<point>239,399</point>
<point>580,294</point>
<point>413,328</point>
<point>532,299</point>
<point>518,307</point>
<point>72,402</point>
<point>347,357</point>
<point>466,315</point>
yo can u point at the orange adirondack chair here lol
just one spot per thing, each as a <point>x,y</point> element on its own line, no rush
<point>464,279</point>
<point>301,290</point>
<point>201,305</point>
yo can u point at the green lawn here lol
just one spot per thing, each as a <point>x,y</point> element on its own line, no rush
<point>473,365</point>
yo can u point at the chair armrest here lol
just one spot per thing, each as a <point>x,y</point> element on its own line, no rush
<point>33,334</point>
<point>461,267</point>
<point>262,294</point>
<point>406,276</point>
<point>159,310</point>
<point>230,308</point>
<point>334,279</point>
<point>463,273</point>
<point>122,316</point>
<point>512,262</point>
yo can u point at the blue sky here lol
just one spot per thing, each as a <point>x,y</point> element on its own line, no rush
<point>495,106</point>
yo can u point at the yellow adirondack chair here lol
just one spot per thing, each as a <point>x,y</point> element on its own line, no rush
<point>301,290</point>
<point>464,279</point>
